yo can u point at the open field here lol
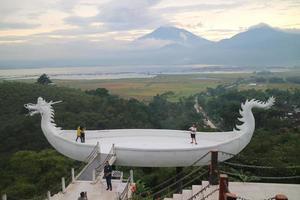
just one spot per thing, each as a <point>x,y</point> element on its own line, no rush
<point>144,89</point>
<point>182,85</point>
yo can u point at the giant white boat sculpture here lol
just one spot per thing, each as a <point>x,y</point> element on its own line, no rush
<point>149,147</point>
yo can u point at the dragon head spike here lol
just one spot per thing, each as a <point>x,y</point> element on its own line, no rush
<point>41,107</point>
<point>270,102</point>
<point>55,102</point>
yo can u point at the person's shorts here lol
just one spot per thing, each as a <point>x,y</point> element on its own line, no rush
<point>193,135</point>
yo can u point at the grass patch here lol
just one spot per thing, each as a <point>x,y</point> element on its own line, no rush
<point>182,85</point>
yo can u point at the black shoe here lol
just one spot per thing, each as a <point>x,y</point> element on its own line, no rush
<point>110,189</point>
<point>107,188</point>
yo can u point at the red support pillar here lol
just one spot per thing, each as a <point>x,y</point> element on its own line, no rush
<point>281,197</point>
<point>213,174</point>
<point>223,186</point>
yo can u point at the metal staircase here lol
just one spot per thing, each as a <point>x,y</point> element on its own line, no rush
<point>197,192</point>
<point>90,180</point>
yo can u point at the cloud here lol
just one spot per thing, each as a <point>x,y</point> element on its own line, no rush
<point>7,26</point>
<point>226,30</point>
<point>200,7</point>
<point>79,21</point>
<point>123,15</point>
<point>24,9</point>
<point>89,26</point>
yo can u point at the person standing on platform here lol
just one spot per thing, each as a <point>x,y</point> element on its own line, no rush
<point>78,133</point>
<point>82,134</point>
<point>83,196</point>
<point>193,130</point>
<point>107,175</point>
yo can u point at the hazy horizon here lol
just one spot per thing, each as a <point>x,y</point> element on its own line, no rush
<point>91,32</point>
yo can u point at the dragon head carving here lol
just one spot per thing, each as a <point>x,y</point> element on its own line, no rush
<point>41,107</point>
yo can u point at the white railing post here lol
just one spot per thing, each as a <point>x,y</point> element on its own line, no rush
<point>48,195</point>
<point>98,148</point>
<point>131,176</point>
<point>73,175</point>
<point>94,174</point>
<point>4,197</point>
<point>63,185</point>
<point>113,149</point>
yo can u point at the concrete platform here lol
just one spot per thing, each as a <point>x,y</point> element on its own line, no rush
<point>95,191</point>
<point>264,190</point>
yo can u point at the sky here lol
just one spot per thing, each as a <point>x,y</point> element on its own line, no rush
<point>113,23</point>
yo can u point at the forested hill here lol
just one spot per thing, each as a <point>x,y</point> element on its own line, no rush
<point>93,109</point>
<point>29,166</point>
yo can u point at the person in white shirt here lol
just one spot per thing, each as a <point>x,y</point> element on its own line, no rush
<point>193,130</point>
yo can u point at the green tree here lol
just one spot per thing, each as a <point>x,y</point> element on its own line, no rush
<point>44,80</point>
<point>98,92</point>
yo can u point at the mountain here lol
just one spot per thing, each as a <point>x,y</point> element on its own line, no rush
<point>257,46</point>
<point>260,45</point>
<point>261,35</point>
<point>176,36</point>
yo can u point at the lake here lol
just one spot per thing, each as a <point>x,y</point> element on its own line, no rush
<point>120,72</point>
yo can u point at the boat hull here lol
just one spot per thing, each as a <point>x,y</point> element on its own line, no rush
<point>159,148</point>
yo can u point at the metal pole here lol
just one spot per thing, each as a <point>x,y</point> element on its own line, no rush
<point>4,197</point>
<point>48,195</point>
<point>98,148</point>
<point>113,149</point>
<point>94,174</point>
<point>213,174</point>
<point>131,176</point>
<point>223,186</point>
<point>178,177</point>
<point>63,184</point>
<point>73,175</point>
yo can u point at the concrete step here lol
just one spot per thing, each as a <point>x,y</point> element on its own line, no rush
<point>186,194</point>
<point>177,197</point>
<point>196,188</point>
<point>168,198</point>
<point>215,195</point>
<point>211,188</point>
<point>57,196</point>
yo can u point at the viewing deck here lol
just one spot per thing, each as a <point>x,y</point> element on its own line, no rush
<point>149,139</point>
<point>162,148</point>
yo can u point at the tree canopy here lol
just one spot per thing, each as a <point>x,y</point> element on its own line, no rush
<point>44,80</point>
<point>29,166</point>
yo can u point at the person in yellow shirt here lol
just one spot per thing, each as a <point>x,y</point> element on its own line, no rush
<point>78,133</point>
<point>82,134</point>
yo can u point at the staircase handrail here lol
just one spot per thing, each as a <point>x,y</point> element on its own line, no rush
<point>200,158</point>
<point>94,152</point>
<point>124,194</point>
<point>200,192</point>
<point>89,159</point>
<point>177,181</point>
<point>265,177</point>
<point>100,168</point>
<point>189,182</point>
<point>227,153</point>
<point>206,196</point>
<point>173,177</point>
<point>260,166</point>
